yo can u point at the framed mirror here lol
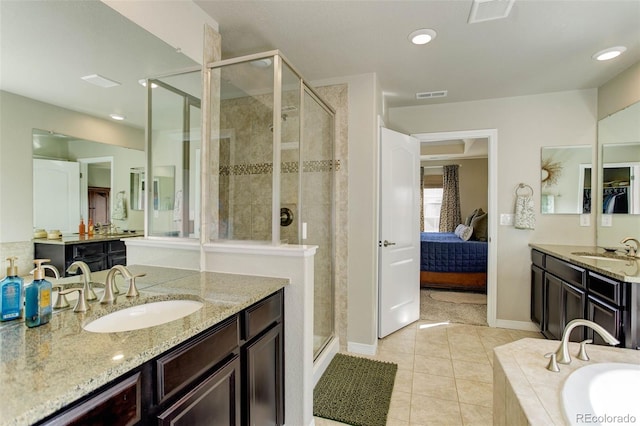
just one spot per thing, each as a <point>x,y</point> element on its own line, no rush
<point>565,179</point>
<point>618,197</point>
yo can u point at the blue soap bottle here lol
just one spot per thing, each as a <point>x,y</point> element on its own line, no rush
<point>38,308</point>
<point>11,288</point>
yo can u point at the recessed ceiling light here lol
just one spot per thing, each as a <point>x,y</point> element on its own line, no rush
<point>143,82</point>
<point>610,53</point>
<point>99,80</point>
<point>422,36</point>
<point>118,117</point>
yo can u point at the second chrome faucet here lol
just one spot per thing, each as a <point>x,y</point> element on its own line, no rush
<point>110,283</point>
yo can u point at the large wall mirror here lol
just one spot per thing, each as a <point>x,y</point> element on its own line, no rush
<point>618,197</point>
<point>565,179</point>
<point>75,178</point>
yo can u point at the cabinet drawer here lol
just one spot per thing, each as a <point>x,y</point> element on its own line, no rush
<point>116,246</point>
<point>538,258</point>
<point>262,315</point>
<point>606,288</point>
<point>568,272</point>
<point>88,250</point>
<point>120,404</point>
<point>182,366</point>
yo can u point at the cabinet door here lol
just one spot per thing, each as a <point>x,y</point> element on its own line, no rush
<point>263,384</point>
<point>215,401</point>
<point>553,315</point>
<point>120,404</point>
<point>574,300</point>
<point>607,316</point>
<point>537,295</point>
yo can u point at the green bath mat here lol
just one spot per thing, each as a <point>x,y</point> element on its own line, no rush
<point>355,390</point>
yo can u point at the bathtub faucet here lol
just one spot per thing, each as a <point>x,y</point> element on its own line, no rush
<point>562,354</point>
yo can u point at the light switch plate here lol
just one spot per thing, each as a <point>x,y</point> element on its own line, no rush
<point>585,220</point>
<point>506,219</point>
<point>607,220</point>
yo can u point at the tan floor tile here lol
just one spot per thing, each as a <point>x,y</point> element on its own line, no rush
<point>403,381</point>
<point>396,422</point>
<point>433,349</point>
<point>433,365</point>
<point>522,334</point>
<point>399,343</point>
<point>320,421</point>
<point>434,411</point>
<point>404,360</point>
<point>479,372</point>
<point>400,406</point>
<point>475,393</point>
<point>434,386</point>
<point>472,353</point>
<point>475,415</point>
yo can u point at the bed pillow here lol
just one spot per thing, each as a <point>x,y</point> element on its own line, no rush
<point>466,233</point>
<point>469,218</point>
<point>479,225</point>
<point>463,232</point>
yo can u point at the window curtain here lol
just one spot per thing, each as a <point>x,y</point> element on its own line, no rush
<point>450,211</point>
<point>421,199</point>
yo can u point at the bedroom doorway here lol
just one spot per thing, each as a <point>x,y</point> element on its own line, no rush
<point>457,147</point>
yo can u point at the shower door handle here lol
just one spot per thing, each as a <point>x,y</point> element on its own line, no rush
<point>388,243</point>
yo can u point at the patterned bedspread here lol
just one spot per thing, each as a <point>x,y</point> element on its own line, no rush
<point>446,252</point>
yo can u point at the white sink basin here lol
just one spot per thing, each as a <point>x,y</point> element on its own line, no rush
<point>607,392</point>
<point>143,316</point>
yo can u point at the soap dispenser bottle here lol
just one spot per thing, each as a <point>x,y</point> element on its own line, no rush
<point>11,288</point>
<point>38,298</point>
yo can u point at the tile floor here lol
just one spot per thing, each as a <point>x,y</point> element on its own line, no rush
<point>444,373</point>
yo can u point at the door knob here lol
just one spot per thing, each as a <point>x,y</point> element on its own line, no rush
<point>387,243</point>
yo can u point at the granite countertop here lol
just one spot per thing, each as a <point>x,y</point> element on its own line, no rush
<point>45,368</point>
<point>522,366</point>
<point>623,270</point>
<point>77,238</point>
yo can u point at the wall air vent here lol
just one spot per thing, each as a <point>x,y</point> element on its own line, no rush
<point>430,95</point>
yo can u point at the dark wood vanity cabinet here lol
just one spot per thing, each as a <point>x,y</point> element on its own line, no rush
<point>98,255</point>
<point>561,292</point>
<point>231,374</point>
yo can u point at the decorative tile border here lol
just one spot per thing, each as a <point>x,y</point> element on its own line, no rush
<point>287,167</point>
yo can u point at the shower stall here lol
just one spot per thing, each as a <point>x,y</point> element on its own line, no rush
<point>272,145</point>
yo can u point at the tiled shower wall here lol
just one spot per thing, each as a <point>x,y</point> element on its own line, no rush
<point>246,158</point>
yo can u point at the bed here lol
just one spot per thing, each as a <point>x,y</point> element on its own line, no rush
<point>448,262</point>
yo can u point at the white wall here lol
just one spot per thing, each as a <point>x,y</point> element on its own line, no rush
<point>525,124</point>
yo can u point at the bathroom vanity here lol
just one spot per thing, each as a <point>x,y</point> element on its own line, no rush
<point>567,284</point>
<point>99,252</point>
<point>227,355</point>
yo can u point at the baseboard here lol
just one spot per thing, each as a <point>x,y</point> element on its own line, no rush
<point>360,348</point>
<point>322,362</point>
<point>516,325</point>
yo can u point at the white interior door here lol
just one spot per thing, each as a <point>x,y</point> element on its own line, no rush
<point>53,208</point>
<point>399,248</point>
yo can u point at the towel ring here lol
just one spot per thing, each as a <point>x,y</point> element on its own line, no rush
<point>525,187</point>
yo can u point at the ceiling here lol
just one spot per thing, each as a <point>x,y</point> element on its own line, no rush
<point>542,46</point>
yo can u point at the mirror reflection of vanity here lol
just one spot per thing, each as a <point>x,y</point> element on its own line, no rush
<point>565,180</point>
<point>69,171</point>
<point>163,188</point>
<point>618,197</point>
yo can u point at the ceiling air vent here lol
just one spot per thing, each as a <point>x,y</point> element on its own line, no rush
<point>488,10</point>
<point>430,95</point>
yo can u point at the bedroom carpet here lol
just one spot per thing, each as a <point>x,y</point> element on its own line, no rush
<point>466,312</point>
<point>459,297</point>
<point>355,391</point>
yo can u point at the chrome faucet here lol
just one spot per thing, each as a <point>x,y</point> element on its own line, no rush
<point>631,250</point>
<point>89,294</point>
<point>562,354</point>
<point>109,284</point>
